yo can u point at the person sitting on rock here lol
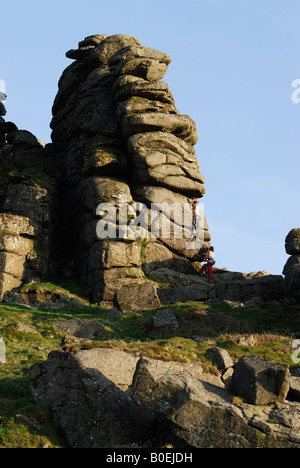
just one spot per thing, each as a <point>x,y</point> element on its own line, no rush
<point>196,216</point>
<point>210,259</point>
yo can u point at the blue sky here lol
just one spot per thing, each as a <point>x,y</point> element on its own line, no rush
<point>233,64</point>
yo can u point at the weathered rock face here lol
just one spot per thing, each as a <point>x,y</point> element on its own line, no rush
<point>267,287</point>
<point>28,208</point>
<point>122,141</point>
<point>260,381</point>
<point>107,398</point>
<point>291,269</point>
<point>73,394</point>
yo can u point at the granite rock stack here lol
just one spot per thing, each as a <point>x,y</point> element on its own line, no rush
<point>121,141</point>
<point>108,201</point>
<point>28,207</point>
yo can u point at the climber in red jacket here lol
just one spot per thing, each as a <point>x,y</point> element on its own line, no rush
<point>209,265</point>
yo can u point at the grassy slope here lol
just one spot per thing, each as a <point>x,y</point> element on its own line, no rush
<point>275,326</point>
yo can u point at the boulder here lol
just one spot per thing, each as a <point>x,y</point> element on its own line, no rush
<point>106,398</point>
<point>81,328</point>
<point>268,287</point>
<point>291,270</point>
<point>110,45</point>
<point>260,381</point>
<point>292,260</point>
<point>199,410</point>
<point>292,282</point>
<point>13,297</point>
<point>22,327</point>
<point>89,394</point>
<point>23,138</point>
<point>220,358</point>
<point>134,52</point>
<point>165,321</point>
<point>292,242</point>
<point>137,297</point>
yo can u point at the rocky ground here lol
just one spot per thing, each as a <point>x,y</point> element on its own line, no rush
<point>173,373</point>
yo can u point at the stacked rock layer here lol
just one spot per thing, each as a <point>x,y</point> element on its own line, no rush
<point>125,149</point>
<point>28,207</point>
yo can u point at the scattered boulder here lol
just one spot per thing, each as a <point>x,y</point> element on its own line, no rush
<point>220,358</point>
<point>108,398</point>
<point>89,394</point>
<point>22,327</point>
<point>200,410</point>
<point>260,381</point>
<point>227,376</point>
<point>165,320</point>
<point>13,297</point>
<point>137,297</point>
<point>81,328</point>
